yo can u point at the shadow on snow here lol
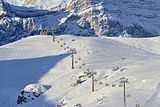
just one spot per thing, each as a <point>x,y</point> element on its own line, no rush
<point>17,73</point>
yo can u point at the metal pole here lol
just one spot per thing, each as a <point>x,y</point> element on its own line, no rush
<point>124,86</point>
<point>53,39</point>
<point>72,60</point>
<point>92,82</point>
<point>73,51</point>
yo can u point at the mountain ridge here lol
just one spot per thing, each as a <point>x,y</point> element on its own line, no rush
<point>114,18</point>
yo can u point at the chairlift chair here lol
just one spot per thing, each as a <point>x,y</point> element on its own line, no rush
<point>113,85</point>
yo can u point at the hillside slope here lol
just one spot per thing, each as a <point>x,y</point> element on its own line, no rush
<point>39,60</point>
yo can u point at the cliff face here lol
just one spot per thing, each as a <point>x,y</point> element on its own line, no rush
<point>18,19</point>
<point>93,12</point>
<point>138,18</point>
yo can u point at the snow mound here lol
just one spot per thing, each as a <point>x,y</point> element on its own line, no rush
<point>35,88</point>
<point>30,92</point>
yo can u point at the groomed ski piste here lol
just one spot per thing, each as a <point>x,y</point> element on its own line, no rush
<point>40,60</point>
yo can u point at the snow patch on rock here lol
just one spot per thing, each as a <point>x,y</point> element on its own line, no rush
<point>30,92</point>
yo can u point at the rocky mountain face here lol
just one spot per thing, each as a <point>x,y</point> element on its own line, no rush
<point>133,18</point>
<point>17,22</point>
<point>114,18</point>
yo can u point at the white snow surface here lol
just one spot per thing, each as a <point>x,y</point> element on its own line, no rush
<point>35,88</point>
<point>39,60</point>
<point>39,4</point>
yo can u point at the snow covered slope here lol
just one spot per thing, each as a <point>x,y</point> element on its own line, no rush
<point>39,60</point>
<point>21,18</point>
<point>41,4</point>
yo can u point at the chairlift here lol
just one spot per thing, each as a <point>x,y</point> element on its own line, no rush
<point>73,50</point>
<point>79,59</point>
<point>80,67</point>
<point>113,85</point>
<point>100,82</point>
<point>73,39</point>
<point>128,95</point>
<point>120,85</point>
<point>95,80</point>
<point>107,84</point>
<point>44,32</point>
<point>83,64</point>
<point>68,47</point>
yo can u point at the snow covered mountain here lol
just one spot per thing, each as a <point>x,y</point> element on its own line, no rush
<point>21,18</point>
<point>37,71</point>
<point>135,18</point>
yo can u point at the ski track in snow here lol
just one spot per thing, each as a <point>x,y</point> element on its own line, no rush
<point>154,96</point>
